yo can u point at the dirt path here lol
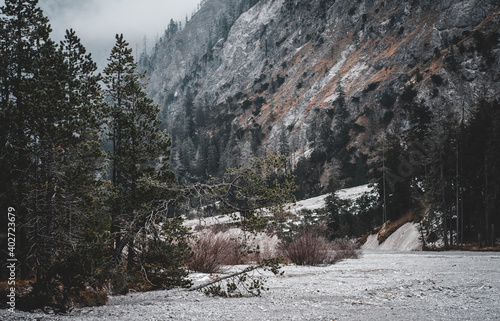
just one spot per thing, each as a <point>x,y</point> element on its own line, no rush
<point>378,286</point>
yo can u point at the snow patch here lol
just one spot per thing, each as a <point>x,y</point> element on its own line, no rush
<point>406,238</point>
<point>318,202</point>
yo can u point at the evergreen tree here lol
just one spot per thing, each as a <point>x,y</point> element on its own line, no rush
<point>86,223</point>
<point>341,112</point>
<point>416,140</point>
<point>213,159</point>
<point>284,148</point>
<point>392,175</point>
<point>139,148</point>
<point>283,145</point>
<point>340,222</point>
<point>86,119</point>
<point>480,178</point>
<point>33,111</point>
<point>440,181</point>
<point>50,147</point>
<point>189,107</point>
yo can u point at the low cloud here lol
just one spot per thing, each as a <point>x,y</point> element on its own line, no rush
<point>97,22</point>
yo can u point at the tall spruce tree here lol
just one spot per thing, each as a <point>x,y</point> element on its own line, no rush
<point>440,177</point>
<point>392,174</point>
<point>85,219</point>
<point>85,124</point>
<point>32,110</point>
<point>50,110</point>
<point>480,178</point>
<point>139,148</point>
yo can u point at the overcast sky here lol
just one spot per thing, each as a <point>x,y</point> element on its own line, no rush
<point>97,22</point>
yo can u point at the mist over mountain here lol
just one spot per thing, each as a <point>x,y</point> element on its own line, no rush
<point>97,22</point>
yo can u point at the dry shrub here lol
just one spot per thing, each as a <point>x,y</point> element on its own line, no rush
<point>53,295</point>
<point>261,246</point>
<point>89,297</point>
<point>213,250</point>
<point>345,249</point>
<point>309,248</point>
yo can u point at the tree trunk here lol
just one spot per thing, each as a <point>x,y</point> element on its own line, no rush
<point>445,224</point>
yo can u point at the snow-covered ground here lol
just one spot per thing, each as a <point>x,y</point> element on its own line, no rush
<point>318,202</point>
<point>406,238</point>
<point>312,204</point>
<point>378,286</point>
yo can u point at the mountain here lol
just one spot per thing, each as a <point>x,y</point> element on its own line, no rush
<point>320,81</point>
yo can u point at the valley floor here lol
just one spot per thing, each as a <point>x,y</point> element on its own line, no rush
<point>378,286</point>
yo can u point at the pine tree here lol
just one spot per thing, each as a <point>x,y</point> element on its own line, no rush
<point>33,109</point>
<point>341,112</point>
<point>50,105</point>
<point>284,148</point>
<point>84,221</point>
<point>389,168</point>
<point>480,179</point>
<point>213,159</point>
<point>440,176</point>
<point>85,123</point>
<point>139,148</point>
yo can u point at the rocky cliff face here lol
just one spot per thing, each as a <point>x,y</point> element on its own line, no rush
<point>281,75</point>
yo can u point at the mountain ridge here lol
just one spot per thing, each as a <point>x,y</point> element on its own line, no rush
<point>285,69</point>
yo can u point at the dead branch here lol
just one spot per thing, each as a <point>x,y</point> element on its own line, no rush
<point>248,269</point>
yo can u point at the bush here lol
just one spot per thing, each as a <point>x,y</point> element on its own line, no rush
<point>256,111</point>
<point>263,87</point>
<point>246,104</point>
<point>408,94</point>
<point>163,258</point>
<point>387,118</point>
<point>346,249</point>
<point>279,80</point>
<point>308,248</point>
<point>213,250</point>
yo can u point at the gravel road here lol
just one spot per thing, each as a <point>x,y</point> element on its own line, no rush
<point>378,286</point>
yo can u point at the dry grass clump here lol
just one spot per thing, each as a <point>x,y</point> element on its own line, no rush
<point>310,248</point>
<point>346,249</point>
<point>212,250</point>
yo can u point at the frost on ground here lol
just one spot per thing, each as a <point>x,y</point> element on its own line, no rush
<point>378,286</point>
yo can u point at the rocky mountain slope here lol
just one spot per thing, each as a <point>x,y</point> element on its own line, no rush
<point>247,78</point>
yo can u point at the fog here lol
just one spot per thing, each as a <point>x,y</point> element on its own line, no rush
<point>97,22</point>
